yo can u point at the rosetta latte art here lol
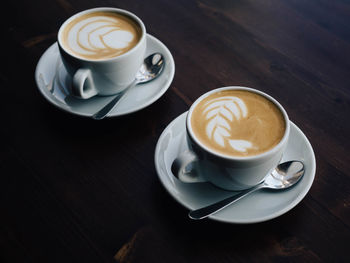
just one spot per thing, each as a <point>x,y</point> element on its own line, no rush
<point>101,35</point>
<point>220,113</point>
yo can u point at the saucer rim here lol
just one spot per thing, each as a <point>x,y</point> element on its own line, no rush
<point>66,108</point>
<point>216,217</point>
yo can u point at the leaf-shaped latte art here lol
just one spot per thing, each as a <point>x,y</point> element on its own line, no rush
<point>220,112</point>
<point>100,35</point>
<point>240,145</point>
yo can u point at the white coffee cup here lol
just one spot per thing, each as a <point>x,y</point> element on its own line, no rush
<point>106,76</point>
<point>224,171</point>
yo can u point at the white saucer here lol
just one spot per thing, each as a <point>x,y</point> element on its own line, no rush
<point>137,98</point>
<point>257,207</point>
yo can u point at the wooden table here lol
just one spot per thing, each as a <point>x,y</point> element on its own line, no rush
<point>78,190</point>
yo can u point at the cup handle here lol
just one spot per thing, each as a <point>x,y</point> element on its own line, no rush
<point>181,171</point>
<point>83,85</point>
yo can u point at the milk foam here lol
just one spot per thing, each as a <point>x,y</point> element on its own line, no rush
<point>238,123</point>
<point>100,36</point>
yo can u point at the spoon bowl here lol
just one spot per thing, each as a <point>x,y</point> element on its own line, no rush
<point>284,176</point>
<point>151,68</point>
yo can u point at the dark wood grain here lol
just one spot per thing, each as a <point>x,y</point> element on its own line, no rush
<point>77,190</point>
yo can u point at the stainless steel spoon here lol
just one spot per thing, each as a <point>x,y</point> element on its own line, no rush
<point>150,69</point>
<point>282,177</point>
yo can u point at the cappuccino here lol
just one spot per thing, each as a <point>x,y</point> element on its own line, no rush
<point>238,123</point>
<point>100,35</point>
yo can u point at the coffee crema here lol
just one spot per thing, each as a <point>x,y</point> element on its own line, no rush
<point>100,35</point>
<point>238,123</point>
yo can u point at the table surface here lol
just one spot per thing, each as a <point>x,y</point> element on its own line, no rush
<point>78,190</point>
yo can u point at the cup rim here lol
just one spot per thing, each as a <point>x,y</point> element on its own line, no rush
<point>110,9</point>
<point>272,151</point>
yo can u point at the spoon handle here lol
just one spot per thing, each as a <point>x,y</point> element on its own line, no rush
<point>213,208</point>
<point>110,105</point>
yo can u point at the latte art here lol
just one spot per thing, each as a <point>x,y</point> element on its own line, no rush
<point>101,35</point>
<point>237,122</point>
<point>220,112</point>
